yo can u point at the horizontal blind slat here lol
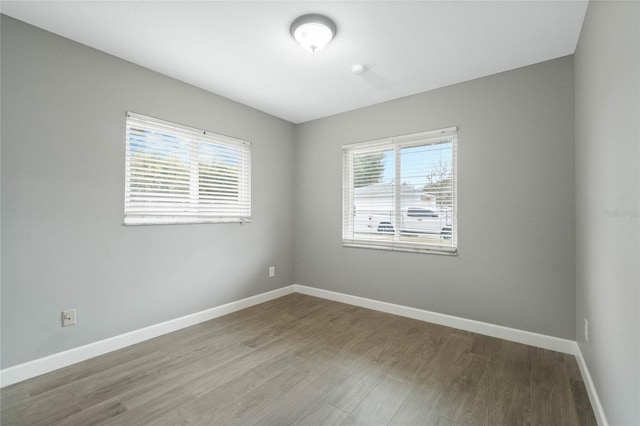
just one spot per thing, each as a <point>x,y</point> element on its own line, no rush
<point>187,174</point>
<point>422,206</point>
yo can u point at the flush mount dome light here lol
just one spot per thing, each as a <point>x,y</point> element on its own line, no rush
<point>313,31</point>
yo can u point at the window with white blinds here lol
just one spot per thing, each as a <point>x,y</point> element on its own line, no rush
<point>178,174</point>
<point>400,193</point>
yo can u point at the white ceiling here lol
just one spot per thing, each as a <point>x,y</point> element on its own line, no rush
<point>243,50</point>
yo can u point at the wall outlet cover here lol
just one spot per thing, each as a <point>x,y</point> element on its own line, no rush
<point>68,317</point>
<point>586,329</point>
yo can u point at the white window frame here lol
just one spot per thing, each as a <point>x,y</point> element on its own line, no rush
<point>349,237</point>
<point>183,202</point>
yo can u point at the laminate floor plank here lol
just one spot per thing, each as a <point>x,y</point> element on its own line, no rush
<point>41,410</point>
<point>338,351</point>
<point>152,409</point>
<point>515,363</point>
<point>584,413</point>
<point>81,370</point>
<point>443,421</point>
<point>242,410</point>
<point>228,372</point>
<point>97,415</point>
<point>487,345</point>
<point>302,360</point>
<point>451,355</point>
<point>551,397</point>
<point>571,365</point>
<point>496,402</point>
<point>303,399</point>
<point>101,387</point>
<point>422,406</point>
<point>355,388</point>
<point>93,389</point>
<point>419,354</point>
<point>464,385</point>
<point>381,404</point>
<point>169,376</point>
<point>351,357</point>
<point>321,414</point>
<point>331,349</point>
<point>503,395</point>
<point>432,389</point>
<point>13,395</point>
<point>368,368</point>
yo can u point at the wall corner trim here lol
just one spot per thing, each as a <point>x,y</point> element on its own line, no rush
<point>27,370</point>
<point>598,409</point>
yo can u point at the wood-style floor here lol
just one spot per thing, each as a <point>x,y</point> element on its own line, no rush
<point>308,361</point>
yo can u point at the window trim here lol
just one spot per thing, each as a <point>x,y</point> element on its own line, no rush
<point>398,142</point>
<point>181,130</point>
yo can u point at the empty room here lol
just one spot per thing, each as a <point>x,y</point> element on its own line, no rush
<point>320,213</point>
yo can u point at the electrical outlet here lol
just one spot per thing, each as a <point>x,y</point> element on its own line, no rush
<point>586,329</point>
<point>68,317</point>
<point>272,271</point>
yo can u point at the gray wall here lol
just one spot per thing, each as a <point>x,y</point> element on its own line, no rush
<point>516,262</point>
<point>607,86</point>
<point>63,242</point>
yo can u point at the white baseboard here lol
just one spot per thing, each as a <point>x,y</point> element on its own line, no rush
<point>58,360</point>
<point>506,333</point>
<point>591,389</point>
<point>53,362</point>
<point>520,336</point>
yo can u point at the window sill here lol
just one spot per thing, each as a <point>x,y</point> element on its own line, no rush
<point>145,222</point>
<point>446,251</point>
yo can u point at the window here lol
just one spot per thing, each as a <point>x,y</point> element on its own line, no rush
<point>400,193</point>
<point>178,174</point>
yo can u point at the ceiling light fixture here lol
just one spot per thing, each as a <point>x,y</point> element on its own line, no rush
<point>313,31</point>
